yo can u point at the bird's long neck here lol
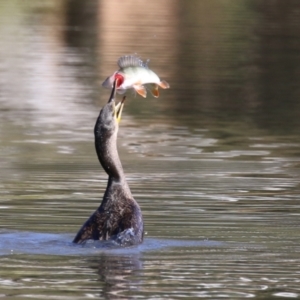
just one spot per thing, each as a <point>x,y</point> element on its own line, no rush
<point>106,148</point>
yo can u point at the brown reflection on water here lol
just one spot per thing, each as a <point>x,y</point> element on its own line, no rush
<point>81,25</point>
<point>221,66</point>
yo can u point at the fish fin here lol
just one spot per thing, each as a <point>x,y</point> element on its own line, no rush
<point>140,89</point>
<point>131,61</point>
<point>108,82</point>
<point>164,85</point>
<point>155,91</point>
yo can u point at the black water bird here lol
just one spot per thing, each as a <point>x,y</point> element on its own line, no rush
<point>119,217</point>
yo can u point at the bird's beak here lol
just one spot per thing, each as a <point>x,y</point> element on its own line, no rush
<point>119,109</point>
<point>113,91</point>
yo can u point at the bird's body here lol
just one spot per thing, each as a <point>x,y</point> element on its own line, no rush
<point>119,217</point>
<point>135,74</point>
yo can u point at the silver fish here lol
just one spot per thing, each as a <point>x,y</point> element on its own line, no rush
<point>134,74</point>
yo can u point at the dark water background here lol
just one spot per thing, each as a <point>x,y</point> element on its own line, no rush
<point>214,162</point>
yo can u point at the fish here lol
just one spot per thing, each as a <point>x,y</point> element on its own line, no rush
<point>135,74</point>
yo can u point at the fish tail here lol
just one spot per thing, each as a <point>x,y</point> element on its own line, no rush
<point>164,85</point>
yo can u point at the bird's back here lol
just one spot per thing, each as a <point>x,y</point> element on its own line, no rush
<point>120,221</point>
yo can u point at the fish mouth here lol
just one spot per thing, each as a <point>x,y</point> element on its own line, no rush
<point>118,108</point>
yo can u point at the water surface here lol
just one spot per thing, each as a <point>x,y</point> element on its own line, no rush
<point>214,162</point>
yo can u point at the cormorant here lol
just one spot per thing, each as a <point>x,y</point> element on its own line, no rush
<point>119,217</point>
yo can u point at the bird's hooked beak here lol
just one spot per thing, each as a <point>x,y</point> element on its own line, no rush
<point>119,107</point>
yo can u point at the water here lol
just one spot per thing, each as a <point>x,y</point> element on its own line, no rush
<point>214,162</point>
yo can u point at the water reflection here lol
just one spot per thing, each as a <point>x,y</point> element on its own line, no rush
<point>81,26</point>
<point>119,275</point>
<point>220,67</point>
<point>216,157</point>
<point>279,66</point>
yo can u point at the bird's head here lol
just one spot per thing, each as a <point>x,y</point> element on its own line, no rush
<point>110,115</point>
